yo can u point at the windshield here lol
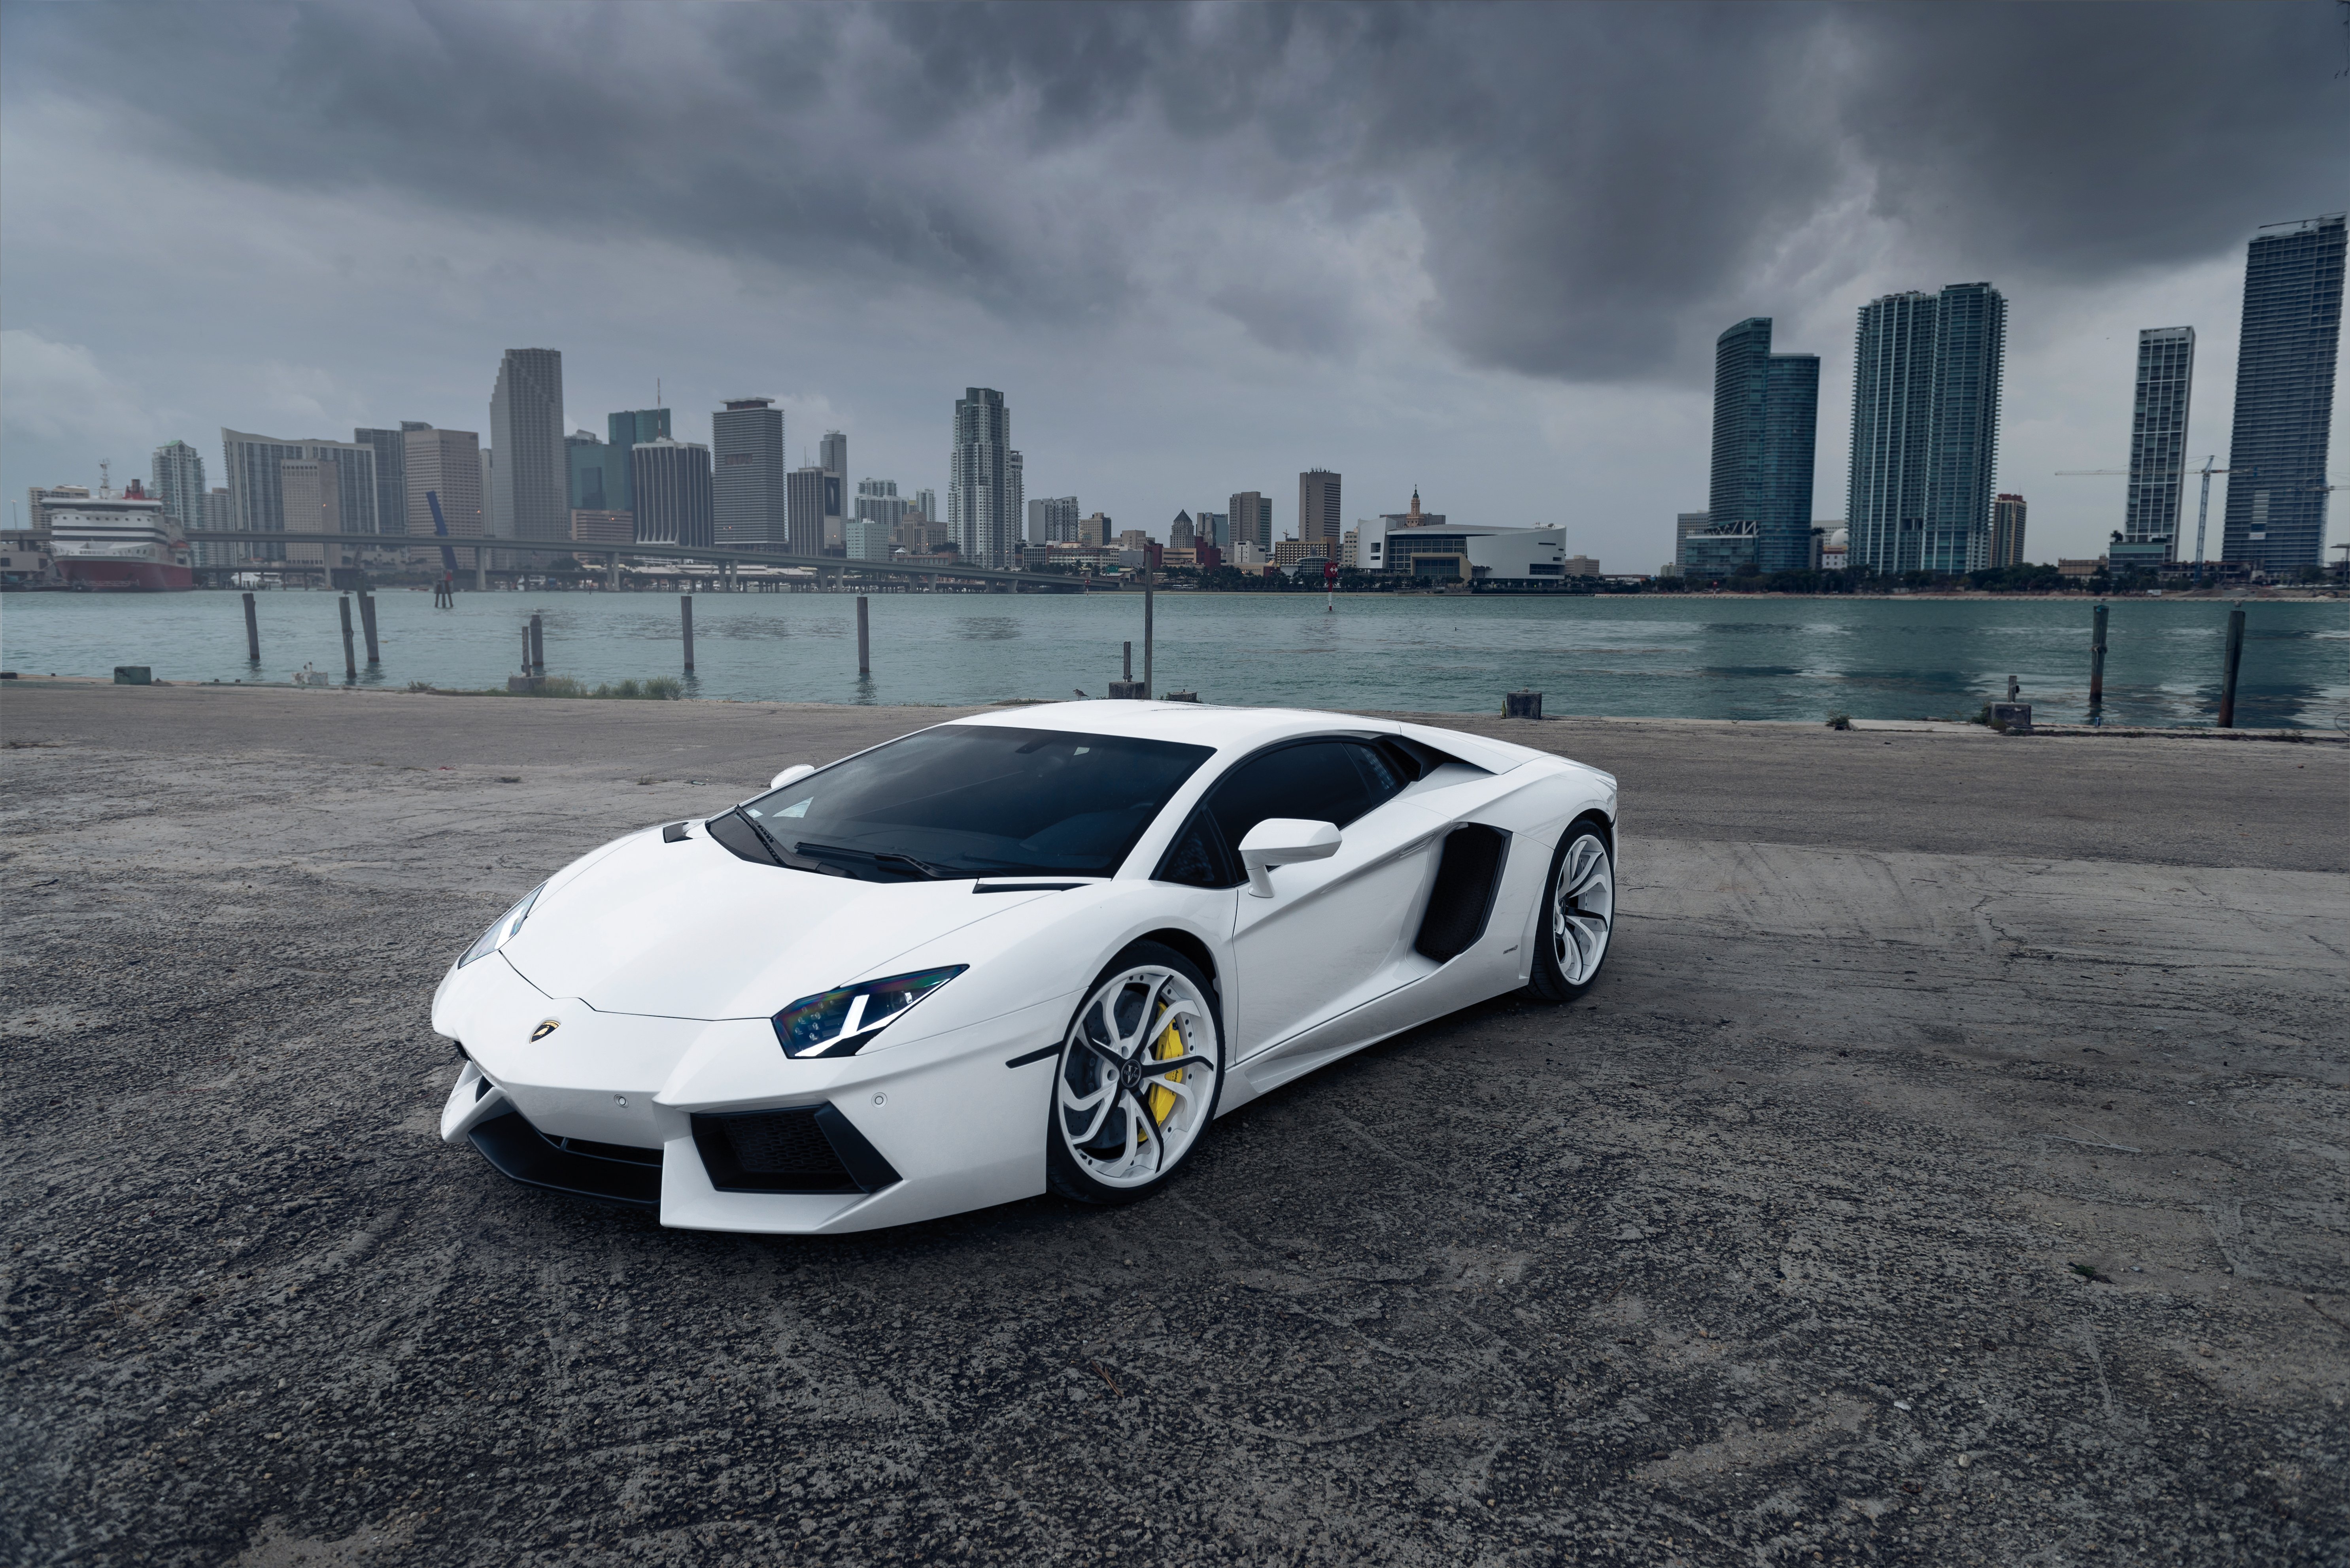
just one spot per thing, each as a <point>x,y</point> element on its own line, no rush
<point>970,800</point>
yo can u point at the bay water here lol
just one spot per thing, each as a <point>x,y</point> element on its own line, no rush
<point>1646,655</point>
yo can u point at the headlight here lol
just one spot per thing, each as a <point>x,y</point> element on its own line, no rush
<point>839,1022</point>
<point>497,935</point>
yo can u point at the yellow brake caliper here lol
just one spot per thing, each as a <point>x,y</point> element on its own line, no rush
<point>1168,1045</point>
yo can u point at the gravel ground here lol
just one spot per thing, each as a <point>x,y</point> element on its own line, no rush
<point>1948,1169</point>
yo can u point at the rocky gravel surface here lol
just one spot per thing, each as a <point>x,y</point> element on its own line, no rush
<point>1885,1203</point>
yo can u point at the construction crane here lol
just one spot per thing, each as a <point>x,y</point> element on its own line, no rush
<point>2203,511</point>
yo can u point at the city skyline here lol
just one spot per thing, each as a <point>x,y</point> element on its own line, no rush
<point>1521,340</point>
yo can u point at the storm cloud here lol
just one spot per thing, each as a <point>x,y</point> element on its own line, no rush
<point>1577,195</point>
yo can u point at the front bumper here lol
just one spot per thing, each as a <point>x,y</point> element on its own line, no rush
<point>709,1123</point>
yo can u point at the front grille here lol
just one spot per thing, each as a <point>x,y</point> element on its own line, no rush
<point>627,1154</point>
<point>801,1148</point>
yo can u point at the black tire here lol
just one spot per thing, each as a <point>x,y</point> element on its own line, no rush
<point>1102,1169</point>
<point>1563,967</point>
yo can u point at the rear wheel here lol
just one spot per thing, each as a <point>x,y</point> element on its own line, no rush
<point>1137,1080</point>
<point>1578,918</point>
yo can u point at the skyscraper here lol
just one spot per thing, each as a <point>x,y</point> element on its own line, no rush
<point>622,432</point>
<point>1182,534</point>
<point>747,443</point>
<point>806,494</point>
<point>1926,373</point>
<point>2284,395</point>
<point>390,474</point>
<point>178,474</point>
<point>672,493</point>
<point>2158,469</point>
<point>1319,519</point>
<point>982,511</point>
<point>529,495</point>
<point>446,464</point>
<point>257,499</point>
<point>878,500</point>
<point>1766,412</point>
<point>2007,530</point>
<point>832,456</point>
<point>1053,520</point>
<point>1252,515</point>
<point>588,464</point>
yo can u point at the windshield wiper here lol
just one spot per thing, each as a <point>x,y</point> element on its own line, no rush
<point>887,858</point>
<point>783,857</point>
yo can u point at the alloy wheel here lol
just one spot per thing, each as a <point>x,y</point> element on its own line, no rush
<point>1137,1076</point>
<point>1582,911</point>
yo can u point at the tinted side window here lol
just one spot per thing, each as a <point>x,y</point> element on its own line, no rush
<point>1197,857</point>
<point>1321,781</point>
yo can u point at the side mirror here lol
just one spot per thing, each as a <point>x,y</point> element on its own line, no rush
<point>1284,841</point>
<point>791,774</point>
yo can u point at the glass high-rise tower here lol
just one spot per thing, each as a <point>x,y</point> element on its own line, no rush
<point>2284,396</point>
<point>983,493</point>
<point>1766,410</point>
<point>531,480</point>
<point>1927,376</point>
<point>2158,468</point>
<point>624,431</point>
<point>747,444</point>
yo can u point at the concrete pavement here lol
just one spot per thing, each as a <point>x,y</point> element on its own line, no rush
<point>1947,1169</point>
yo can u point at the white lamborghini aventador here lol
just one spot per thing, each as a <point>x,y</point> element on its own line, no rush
<point>1039,948</point>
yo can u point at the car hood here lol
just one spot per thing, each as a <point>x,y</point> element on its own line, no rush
<point>689,930</point>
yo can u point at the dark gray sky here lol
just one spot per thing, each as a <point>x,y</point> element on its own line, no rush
<point>1480,249</point>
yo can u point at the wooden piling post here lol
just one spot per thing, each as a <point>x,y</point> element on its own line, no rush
<point>2235,663</point>
<point>350,659</point>
<point>612,580</point>
<point>367,623</point>
<point>1128,673</point>
<point>685,608</point>
<point>537,646</point>
<point>2097,658</point>
<point>252,630</point>
<point>1148,577</point>
<point>864,642</point>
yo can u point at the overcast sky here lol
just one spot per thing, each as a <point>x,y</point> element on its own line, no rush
<point>1485,250</point>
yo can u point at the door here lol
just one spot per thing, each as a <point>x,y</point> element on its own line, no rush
<point>1335,931</point>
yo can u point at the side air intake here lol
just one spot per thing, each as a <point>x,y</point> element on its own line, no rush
<point>802,1148</point>
<point>1466,880</point>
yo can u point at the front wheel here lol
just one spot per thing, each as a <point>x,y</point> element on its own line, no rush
<point>1578,914</point>
<point>1137,1080</point>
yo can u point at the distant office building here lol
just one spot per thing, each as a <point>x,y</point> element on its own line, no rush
<point>926,502</point>
<point>982,494</point>
<point>805,492</point>
<point>446,466</point>
<point>747,453</point>
<point>1412,516</point>
<point>177,480</point>
<point>1766,412</point>
<point>2007,530</point>
<point>390,472</point>
<point>1016,492</point>
<point>588,462</point>
<point>1684,524</point>
<point>865,539</point>
<point>1214,529</point>
<point>495,523</point>
<point>1252,516</point>
<point>1053,520</point>
<point>256,501</point>
<point>878,500</point>
<point>602,526</point>
<point>1095,528</point>
<point>2275,519</point>
<point>311,492</point>
<point>1319,520</point>
<point>672,481</point>
<point>530,490</point>
<point>2157,470</point>
<point>1927,381</point>
<point>1719,550</point>
<point>622,432</point>
<point>1181,534</point>
<point>832,456</point>
<point>1134,539</point>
